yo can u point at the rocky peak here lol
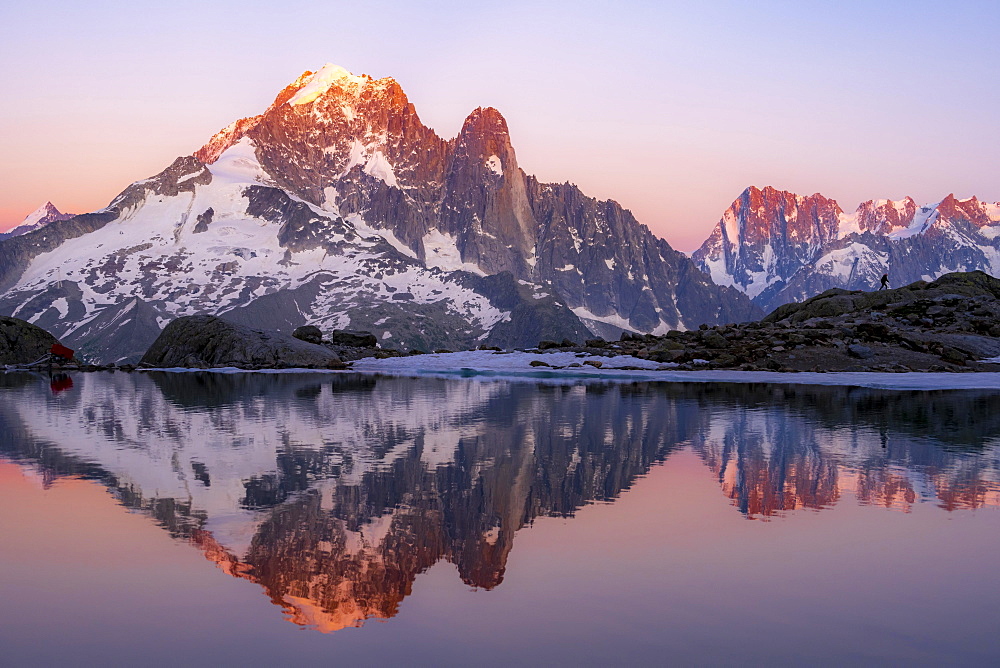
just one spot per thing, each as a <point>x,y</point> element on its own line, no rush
<point>970,210</point>
<point>882,216</point>
<point>767,234</point>
<point>484,142</point>
<point>763,213</point>
<point>46,212</point>
<point>485,204</point>
<point>325,123</point>
<point>312,85</point>
<point>485,122</point>
<point>948,207</point>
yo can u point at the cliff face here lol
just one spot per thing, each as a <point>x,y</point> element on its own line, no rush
<point>778,247</point>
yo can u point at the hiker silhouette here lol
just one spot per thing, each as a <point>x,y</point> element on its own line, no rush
<point>885,282</point>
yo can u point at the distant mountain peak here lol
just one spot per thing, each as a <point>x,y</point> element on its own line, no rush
<point>40,217</point>
<point>47,209</point>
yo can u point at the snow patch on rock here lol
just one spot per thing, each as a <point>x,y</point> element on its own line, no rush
<point>379,167</point>
<point>493,164</point>
<point>238,164</point>
<point>441,251</point>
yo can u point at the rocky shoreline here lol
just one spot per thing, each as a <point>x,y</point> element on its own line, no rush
<point>949,325</point>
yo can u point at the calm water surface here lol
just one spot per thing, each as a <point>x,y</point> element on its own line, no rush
<point>169,519</point>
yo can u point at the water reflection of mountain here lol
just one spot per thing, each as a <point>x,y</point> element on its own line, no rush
<point>333,492</point>
<point>780,448</point>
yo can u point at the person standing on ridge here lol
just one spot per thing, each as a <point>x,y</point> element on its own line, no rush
<point>885,282</point>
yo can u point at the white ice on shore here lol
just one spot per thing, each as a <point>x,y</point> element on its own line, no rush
<point>488,360</point>
<point>516,366</point>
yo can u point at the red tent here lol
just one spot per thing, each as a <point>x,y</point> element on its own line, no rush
<point>59,350</point>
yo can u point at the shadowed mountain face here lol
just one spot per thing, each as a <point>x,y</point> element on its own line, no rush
<point>334,492</point>
<point>337,207</point>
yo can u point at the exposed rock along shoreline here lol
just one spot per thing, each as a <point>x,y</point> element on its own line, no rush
<point>949,325</point>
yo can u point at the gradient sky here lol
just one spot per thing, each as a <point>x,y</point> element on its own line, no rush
<point>670,108</point>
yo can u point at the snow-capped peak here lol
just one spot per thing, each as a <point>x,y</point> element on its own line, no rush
<point>40,213</point>
<point>321,81</point>
<point>40,217</point>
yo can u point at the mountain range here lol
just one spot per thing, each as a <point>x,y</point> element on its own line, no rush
<point>778,247</point>
<point>338,207</point>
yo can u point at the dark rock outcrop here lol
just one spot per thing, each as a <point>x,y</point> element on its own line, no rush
<point>343,337</point>
<point>21,342</point>
<point>309,334</point>
<point>207,341</point>
<point>204,220</point>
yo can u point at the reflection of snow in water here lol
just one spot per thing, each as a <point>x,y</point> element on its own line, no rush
<point>149,442</point>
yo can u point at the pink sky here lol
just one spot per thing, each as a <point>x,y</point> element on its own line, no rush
<point>668,108</point>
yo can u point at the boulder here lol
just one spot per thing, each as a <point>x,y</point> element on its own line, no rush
<point>860,351</point>
<point>714,340</point>
<point>353,339</point>
<point>21,342</point>
<point>201,341</point>
<point>953,355</point>
<point>309,334</point>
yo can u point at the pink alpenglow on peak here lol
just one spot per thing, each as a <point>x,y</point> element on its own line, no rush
<point>37,219</point>
<point>320,82</point>
<point>776,246</point>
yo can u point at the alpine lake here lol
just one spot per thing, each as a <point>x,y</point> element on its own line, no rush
<point>168,519</point>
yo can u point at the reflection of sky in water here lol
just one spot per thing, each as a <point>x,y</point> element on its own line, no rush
<point>348,498</point>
